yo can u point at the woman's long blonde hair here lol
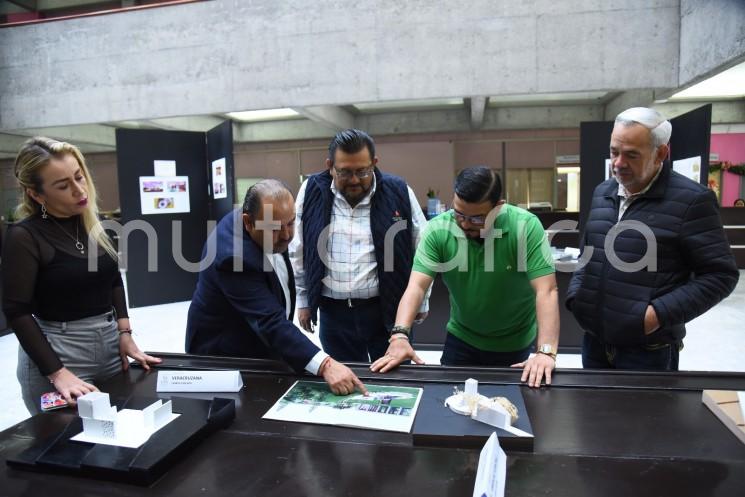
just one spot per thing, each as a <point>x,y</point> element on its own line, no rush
<point>34,155</point>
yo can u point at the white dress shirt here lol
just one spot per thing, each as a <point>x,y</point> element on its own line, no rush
<point>351,271</point>
<point>280,268</point>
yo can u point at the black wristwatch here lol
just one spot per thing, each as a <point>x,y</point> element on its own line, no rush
<point>406,330</point>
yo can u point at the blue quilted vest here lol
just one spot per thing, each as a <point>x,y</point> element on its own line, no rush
<point>389,204</point>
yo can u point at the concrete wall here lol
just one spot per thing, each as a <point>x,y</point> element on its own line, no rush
<point>227,55</point>
<point>712,34</point>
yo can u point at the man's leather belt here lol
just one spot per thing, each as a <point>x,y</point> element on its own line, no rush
<point>349,302</point>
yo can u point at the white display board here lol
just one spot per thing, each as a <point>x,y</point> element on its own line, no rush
<point>164,167</point>
<point>219,179</point>
<point>164,194</point>
<point>690,168</point>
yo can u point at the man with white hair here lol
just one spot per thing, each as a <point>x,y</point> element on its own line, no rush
<point>655,250</point>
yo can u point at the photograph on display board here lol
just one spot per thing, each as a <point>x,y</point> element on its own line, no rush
<point>177,186</point>
<point>152,186</point>
<point>163,203</point>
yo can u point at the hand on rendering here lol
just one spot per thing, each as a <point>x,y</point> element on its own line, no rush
<point>341,379</point>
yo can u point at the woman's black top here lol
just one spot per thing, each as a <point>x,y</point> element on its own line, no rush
<point>46,276</point>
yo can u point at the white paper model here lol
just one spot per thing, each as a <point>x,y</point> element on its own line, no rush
<point>481,408</point>
<point>103,424</point>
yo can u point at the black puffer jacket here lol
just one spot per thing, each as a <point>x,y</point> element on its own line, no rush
<point>695,266</point>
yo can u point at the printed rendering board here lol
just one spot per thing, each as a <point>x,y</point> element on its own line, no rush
<point>389,408</point>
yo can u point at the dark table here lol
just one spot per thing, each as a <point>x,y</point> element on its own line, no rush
<point>596,434</point>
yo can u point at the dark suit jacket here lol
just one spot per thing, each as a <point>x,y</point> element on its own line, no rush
<point>238,308</point>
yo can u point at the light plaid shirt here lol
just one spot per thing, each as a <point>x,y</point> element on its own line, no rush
<point>351,271</point>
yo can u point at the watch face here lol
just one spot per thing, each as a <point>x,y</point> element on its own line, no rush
<point>547,348</point>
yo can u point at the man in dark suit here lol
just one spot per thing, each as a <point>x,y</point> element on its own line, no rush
<point>245,296</point>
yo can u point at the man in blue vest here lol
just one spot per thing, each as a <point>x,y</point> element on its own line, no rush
<point>245,296</point>
<point>354,248</point>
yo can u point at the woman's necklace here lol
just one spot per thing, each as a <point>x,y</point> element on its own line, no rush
<point>78,244</point>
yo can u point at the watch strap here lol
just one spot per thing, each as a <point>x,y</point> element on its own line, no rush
<point>406,330</point>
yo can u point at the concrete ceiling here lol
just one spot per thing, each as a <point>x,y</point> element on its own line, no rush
<point>384,118</point>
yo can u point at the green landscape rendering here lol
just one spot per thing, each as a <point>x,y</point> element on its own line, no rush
<point>390,400</point>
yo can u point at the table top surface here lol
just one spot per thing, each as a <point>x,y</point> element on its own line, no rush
<point>596,433</point>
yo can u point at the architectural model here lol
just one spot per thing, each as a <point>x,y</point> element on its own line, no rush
<point>102,423</point>
<point>496,411</point>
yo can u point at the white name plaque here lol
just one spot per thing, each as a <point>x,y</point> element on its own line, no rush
<point>199,381</point>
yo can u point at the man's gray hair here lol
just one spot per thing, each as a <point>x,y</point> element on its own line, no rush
<point>658,126</point>
<point>264,189</point>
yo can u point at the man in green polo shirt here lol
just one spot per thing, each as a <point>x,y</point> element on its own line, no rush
<point>496,262</point>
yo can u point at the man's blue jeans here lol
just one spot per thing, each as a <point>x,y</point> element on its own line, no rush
<point>599,355</point>
<point>456,352</point>
<point>353,334</point>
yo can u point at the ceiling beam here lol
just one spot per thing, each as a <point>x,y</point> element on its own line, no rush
<point>10,144</point>
<point>188,123</point>
<point>185,123</point>
<point>478,105</point>
<point>626,100</point>
<point>721,112</point>
<point>63,4</point>
<point>293,129</point>
<point>330,116</point>
<point>84,134</point>
<point>29,5</point>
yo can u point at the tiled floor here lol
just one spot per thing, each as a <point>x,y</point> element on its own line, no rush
<point>715,342</point>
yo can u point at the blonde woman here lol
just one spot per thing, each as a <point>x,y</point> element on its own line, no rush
<point>71,323</point>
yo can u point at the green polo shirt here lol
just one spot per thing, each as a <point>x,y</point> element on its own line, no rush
<point>492,304</point>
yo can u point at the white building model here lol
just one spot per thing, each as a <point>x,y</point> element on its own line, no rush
<point>102,423</point>
<point>470,402</point>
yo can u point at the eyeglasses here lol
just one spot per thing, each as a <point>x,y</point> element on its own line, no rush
<point>360,173</point>
<point>476,220</point>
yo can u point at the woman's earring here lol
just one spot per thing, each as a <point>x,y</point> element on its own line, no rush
<point>44,211</point>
